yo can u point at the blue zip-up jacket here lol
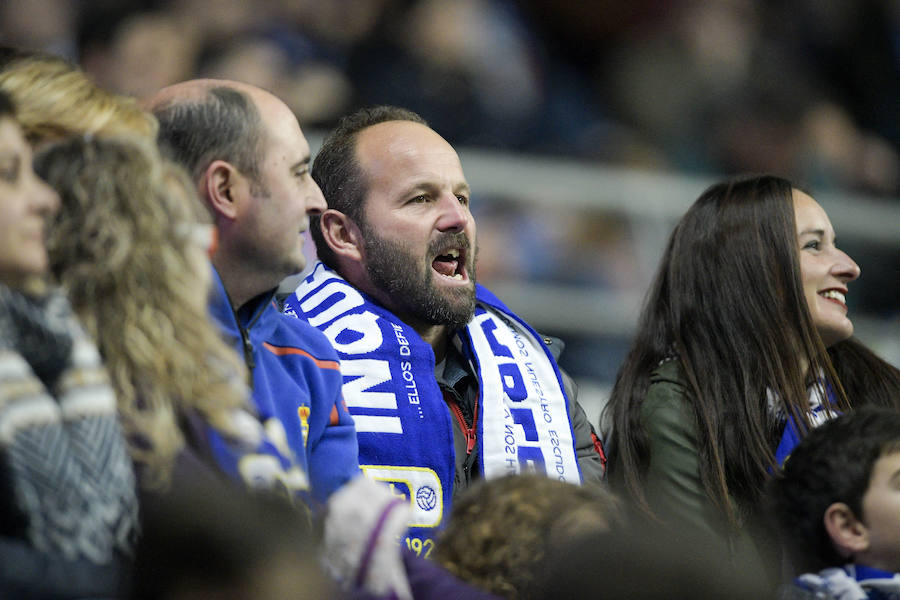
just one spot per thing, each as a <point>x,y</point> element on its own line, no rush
<point>296,388</point>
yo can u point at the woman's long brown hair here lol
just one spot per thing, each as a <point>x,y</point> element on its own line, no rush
<point>728,304</point>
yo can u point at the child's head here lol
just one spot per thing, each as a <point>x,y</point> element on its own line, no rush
<point>501,530</point>
<point>838,498</point>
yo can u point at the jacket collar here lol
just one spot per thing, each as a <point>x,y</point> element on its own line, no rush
<point>251,316</point>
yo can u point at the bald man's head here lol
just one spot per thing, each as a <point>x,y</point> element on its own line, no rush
<point>185,91</point>
<point>250,161</point>
<point>197,90</point>
<point>208,119</point>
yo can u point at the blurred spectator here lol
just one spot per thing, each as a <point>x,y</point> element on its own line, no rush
<point>502,530</point>
<point>50,25</point>
<point>468,67</point>
<point>59,100</point>
<point>839,155</point>
<point>125,248</point>
<point>201,544</point>
<point>68,514</point>
<point>219,20</point>
<point>640,563</point>
<point>147,51</point>
<point>314,90</point>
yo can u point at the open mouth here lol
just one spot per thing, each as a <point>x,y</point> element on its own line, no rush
<point>836,296</point>
<point>451,264</point>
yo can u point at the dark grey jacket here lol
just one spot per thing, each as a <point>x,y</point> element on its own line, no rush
<point>674,484</point>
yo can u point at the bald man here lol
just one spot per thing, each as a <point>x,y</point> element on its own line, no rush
<point>244,149</point>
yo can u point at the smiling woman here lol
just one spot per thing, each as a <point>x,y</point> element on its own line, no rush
<point>826,270</point>
<point>729,364</point>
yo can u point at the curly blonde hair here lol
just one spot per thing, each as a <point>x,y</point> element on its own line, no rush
<point>124,250</point>
<point>56,99</point>
<point>501,530</point>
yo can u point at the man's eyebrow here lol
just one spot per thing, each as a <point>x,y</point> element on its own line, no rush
<point>463,187</point>
<point>427,185</point>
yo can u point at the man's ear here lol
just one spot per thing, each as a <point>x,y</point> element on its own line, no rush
<point>849,535</point>
<point>342,235</point>
<point>222,185</point>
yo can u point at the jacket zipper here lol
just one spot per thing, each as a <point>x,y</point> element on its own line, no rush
<point>246,344</point>
<point>469,432</point>
<point>248,350</point>
<point>245,338</point>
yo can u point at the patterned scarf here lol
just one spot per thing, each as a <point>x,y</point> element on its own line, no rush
<point>62,455</point>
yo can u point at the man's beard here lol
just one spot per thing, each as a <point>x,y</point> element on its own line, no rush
<point>394,270</point>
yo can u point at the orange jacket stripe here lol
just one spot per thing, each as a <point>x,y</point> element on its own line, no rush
<point>282,350</point>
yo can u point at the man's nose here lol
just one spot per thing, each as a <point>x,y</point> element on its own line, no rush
<point>454,214</point>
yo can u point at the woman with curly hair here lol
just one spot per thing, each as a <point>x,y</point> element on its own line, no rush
<point>729,365</point>
<point>125,248</point>
<point>68,508</point>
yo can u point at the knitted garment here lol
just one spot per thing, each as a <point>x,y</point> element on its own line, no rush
<point>64,468</point>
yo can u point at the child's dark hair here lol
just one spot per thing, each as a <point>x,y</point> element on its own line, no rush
<point>832,464</point>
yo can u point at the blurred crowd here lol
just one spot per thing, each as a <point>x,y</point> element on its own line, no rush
<point>801,88</point>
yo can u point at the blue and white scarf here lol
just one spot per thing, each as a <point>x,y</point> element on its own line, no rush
<point>852,582</point>
<point>402,421</point>
<point>819,395</point>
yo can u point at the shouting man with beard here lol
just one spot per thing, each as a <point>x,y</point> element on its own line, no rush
<point>445,383</point>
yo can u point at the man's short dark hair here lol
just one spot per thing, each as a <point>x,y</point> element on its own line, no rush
<point>225,125</point>
<point>832,464</point>
<point>336,168</point>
